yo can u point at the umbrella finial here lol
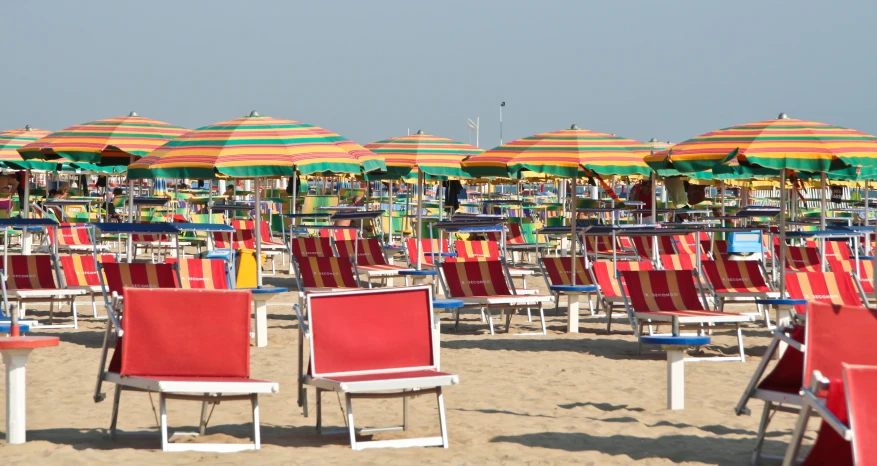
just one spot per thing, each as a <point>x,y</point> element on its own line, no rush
<point>574,126</point>
<point>254,114</point>
<point>27,128</point>
<point>653,140</point>
<point>783,116</point>
<point>420,131</point>
<point>133,114</point>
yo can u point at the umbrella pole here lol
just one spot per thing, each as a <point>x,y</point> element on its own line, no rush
<point>419,234</point>
<point>823,180</point>
<point>129,242</point>
<point>292,208</point>
<point>390,213</point>
<point>867,233</point>
<point>782,251</point>
<point>572,325</point>
<point>258,234</point>
<point>25,203</point>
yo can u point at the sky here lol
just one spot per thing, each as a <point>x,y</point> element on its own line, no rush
<point>371,70</point>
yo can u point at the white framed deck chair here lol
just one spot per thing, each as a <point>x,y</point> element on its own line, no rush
<point>372,344</point>
<point>835,336</point>
<point>35,279</point>
<point>370,259</point>
<point>609,286</point>
<point>675,297</point>
<point>269,244</point>
<point>485,284</point>
<point>557,272</point>
<point>737,280</point>
<point>80,273</point>
<point>488,250</point>
<point>72,238</point>
<point>184,345</point>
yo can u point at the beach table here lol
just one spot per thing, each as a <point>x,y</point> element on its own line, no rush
<point>675,346</point>
<point>261,296</point>
<point>15,351</point>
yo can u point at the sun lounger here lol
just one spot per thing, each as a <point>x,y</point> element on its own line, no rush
<point>487,250</point>
<point>204,274</point>
<point>374,344</point>
<point>602,247</point>
<point>802,259</point>
<point>826,287</point>
<point>864,273</point>
<point>735,280</point>
<point>73,237</point>
<point>675,297</point>
<point>428,248</point>
<point>80,273</point>
<point>609,290</point>
<point>836,335</point>
<point>35,278</point>
<point>183,345</point>
<point>484,284</point>
<point>643,246</point>
<point>370,258</point>
<point>557,272</point>
<point>311,247</point>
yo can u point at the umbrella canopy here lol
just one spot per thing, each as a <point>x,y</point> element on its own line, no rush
<point>114,141</point>
<point>564,153</point>
<point>12,140</point>
<point>255,146</point>
<point>432,155</point>
<point>773,144</point>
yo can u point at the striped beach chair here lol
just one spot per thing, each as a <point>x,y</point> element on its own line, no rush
<point>268,242</point>
<point>80,272</point>
<point>678,262</point>
<point>609,289</point>
<point>35,279</point>
<point>73,237</point>
<point>121,275</point>
<point>487,250</point>
<point>674,297</point>
<point>735,280</point>
<point>204,274</point>
<point>311,247</point>
<point>826,287</point>
<point>484,284</point>
<point>602,247</point>
<point>864,273</point>
<point>643,246</point>
<point>691,243</point>
<point>428,248</point>
<point>837,250</point>
<point>324,274</point>
<point>369,257</point>
<point>802,259</point>
<point>557,272</point>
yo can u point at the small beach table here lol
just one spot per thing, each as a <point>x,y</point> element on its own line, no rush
<point>15,351</point>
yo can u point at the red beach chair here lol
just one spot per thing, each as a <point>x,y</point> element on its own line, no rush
<point>204,274</point>
<point>484,284</point>
<point>73,237</point>
<point>836,335</point>
<point>729,279</point>
<point>320,274</point>
<point>643,246</point>
<point>311,247</point>
<point>602,247</point>
<point>802,259</point>
<point>184,345</point>
<point>428,247</point>
<point>81,273</point>
<point>34,279</point>
<point>679,262</point>
<point>825,287</point>
<point>609,289</point>
<point>674,297</point>
<point>370,258</point>
<point>557,272</point>
<point>374,344</point>
<point>864,275</point>
<point>487,250</point>
<point>837,250</point>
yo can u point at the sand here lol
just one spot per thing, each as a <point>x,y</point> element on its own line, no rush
<point>585,398</point>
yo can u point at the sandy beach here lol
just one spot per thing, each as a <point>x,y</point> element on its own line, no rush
<point>555,399</point>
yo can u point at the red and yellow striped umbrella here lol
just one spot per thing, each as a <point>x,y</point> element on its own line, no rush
<point>255,146</point>
<point>563,153</point>
<point>113,141</point>
<point>783,143</point>
<point>432,155</point>
<point>12,140</point>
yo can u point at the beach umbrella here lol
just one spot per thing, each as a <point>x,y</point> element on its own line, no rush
<point>570,153</point>
<point>430,155</point>
<point>255,146</point>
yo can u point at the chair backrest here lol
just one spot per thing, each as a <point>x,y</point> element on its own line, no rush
<point>687,244</point>
<point>31,272</point>
<point>242,224</point>
<point>719,247</point>
<point>826,287</point>
<point>477,249</point>
<point>338,234</point>
<point>601,244</point>
<point>643,246</point>
<point>860,383</point>
<point>368,251</point>
<point>81,269</point>
<point>559,270</point>
<point>606,279</point>
<point>513,234</point>
<point>204,274</point>
<point>326,272</point>
<point>70,234</point>
<point>838,334</point>
<point>837,250</point>
<point>802,258</point>
<point>662,290</point>
<point>739,276</point>
<point>186,333</point>
<point>865,274</point>
<point>311,247</point>
<point>241,239</point>
<point>121,275</point>
<point>679,261</point>
<point>467,278</point>
<point>427,246</point>
<point>371,331</point>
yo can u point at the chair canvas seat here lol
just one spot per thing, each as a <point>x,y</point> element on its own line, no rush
<point>45,294</point>
<point>518,272</point>
<point>694,316</point>
<point>382,270</point>
<point>171,384</point>
<point>406,380</point>
<point>517,300</point>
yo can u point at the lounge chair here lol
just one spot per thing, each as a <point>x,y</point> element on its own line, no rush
<point>428,249</point>
<point>802,259</point>
<point>643,246</point>
<point>370,258</point>
<point>602,247</point>
<point>487,250</point>
<point>609,290</point>
<point>311,247</point>
<point>374,344</point>
<point>729,279</point>
<point>864,273</point>
<point>73,237</point>
<point>204,274</point>
<point>675,297</point>
<point>35,278</point>
<point>484,284</point>
<point>836,336</point>
<point>557,272</point>
<point>184,345</point>
<point>80,273</point>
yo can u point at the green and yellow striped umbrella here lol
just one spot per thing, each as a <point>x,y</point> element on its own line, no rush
<point>432,155</point>
<point>255,146</point>
<point>773,144</point>
<point>114,141</point>
<point>12,140</point>
<point>564,153</point>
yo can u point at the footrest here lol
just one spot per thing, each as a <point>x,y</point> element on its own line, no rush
<point>780,302</point>
<point>674,340</point>
<point>573,288</point>
<point>447,303</point>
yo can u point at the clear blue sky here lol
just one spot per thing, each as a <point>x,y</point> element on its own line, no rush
<point>372,69</point>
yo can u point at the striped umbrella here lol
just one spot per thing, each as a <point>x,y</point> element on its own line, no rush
<point>114,141</point>
<point>773,144</point>
<point>12,140</point>
<point>255,146</point>
<point>432,155</point>
<point>565,153</point>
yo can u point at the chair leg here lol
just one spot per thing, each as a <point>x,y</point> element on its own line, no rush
<point>442,421</point>
<point>590,305</point>
<point>350,426</point>
<point>542,319</point>
<point>740,343</point>
<point>489,319</point>
<point>319,411</point>
<point>162,404</point>
<point>93,306</point>
<point>257,437</point>
<point>115,417</point>
<point>762,429</point>
<point>404,413</point>
<point>202,425</point>
<point>75,317</point>
<point>797,434</point>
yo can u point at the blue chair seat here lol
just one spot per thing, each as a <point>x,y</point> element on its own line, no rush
<point>417,273</point>
<point>6,328</point>
<point>272,289</point>
<point>780,302</point>
<point>574,288</point>
<point>447,303</point>
<point>674,340</point>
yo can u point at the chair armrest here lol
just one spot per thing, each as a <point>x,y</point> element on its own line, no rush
<point>115,302</point>
<point>818,405</point>
<point>301,321</point>
<point>779,334</point>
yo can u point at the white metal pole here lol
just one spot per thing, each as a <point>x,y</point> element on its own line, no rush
<point>573,317</point>
<point>782,252</point>
<point>258,233</point>
<point>419,234</point>
<point>390,208</point>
